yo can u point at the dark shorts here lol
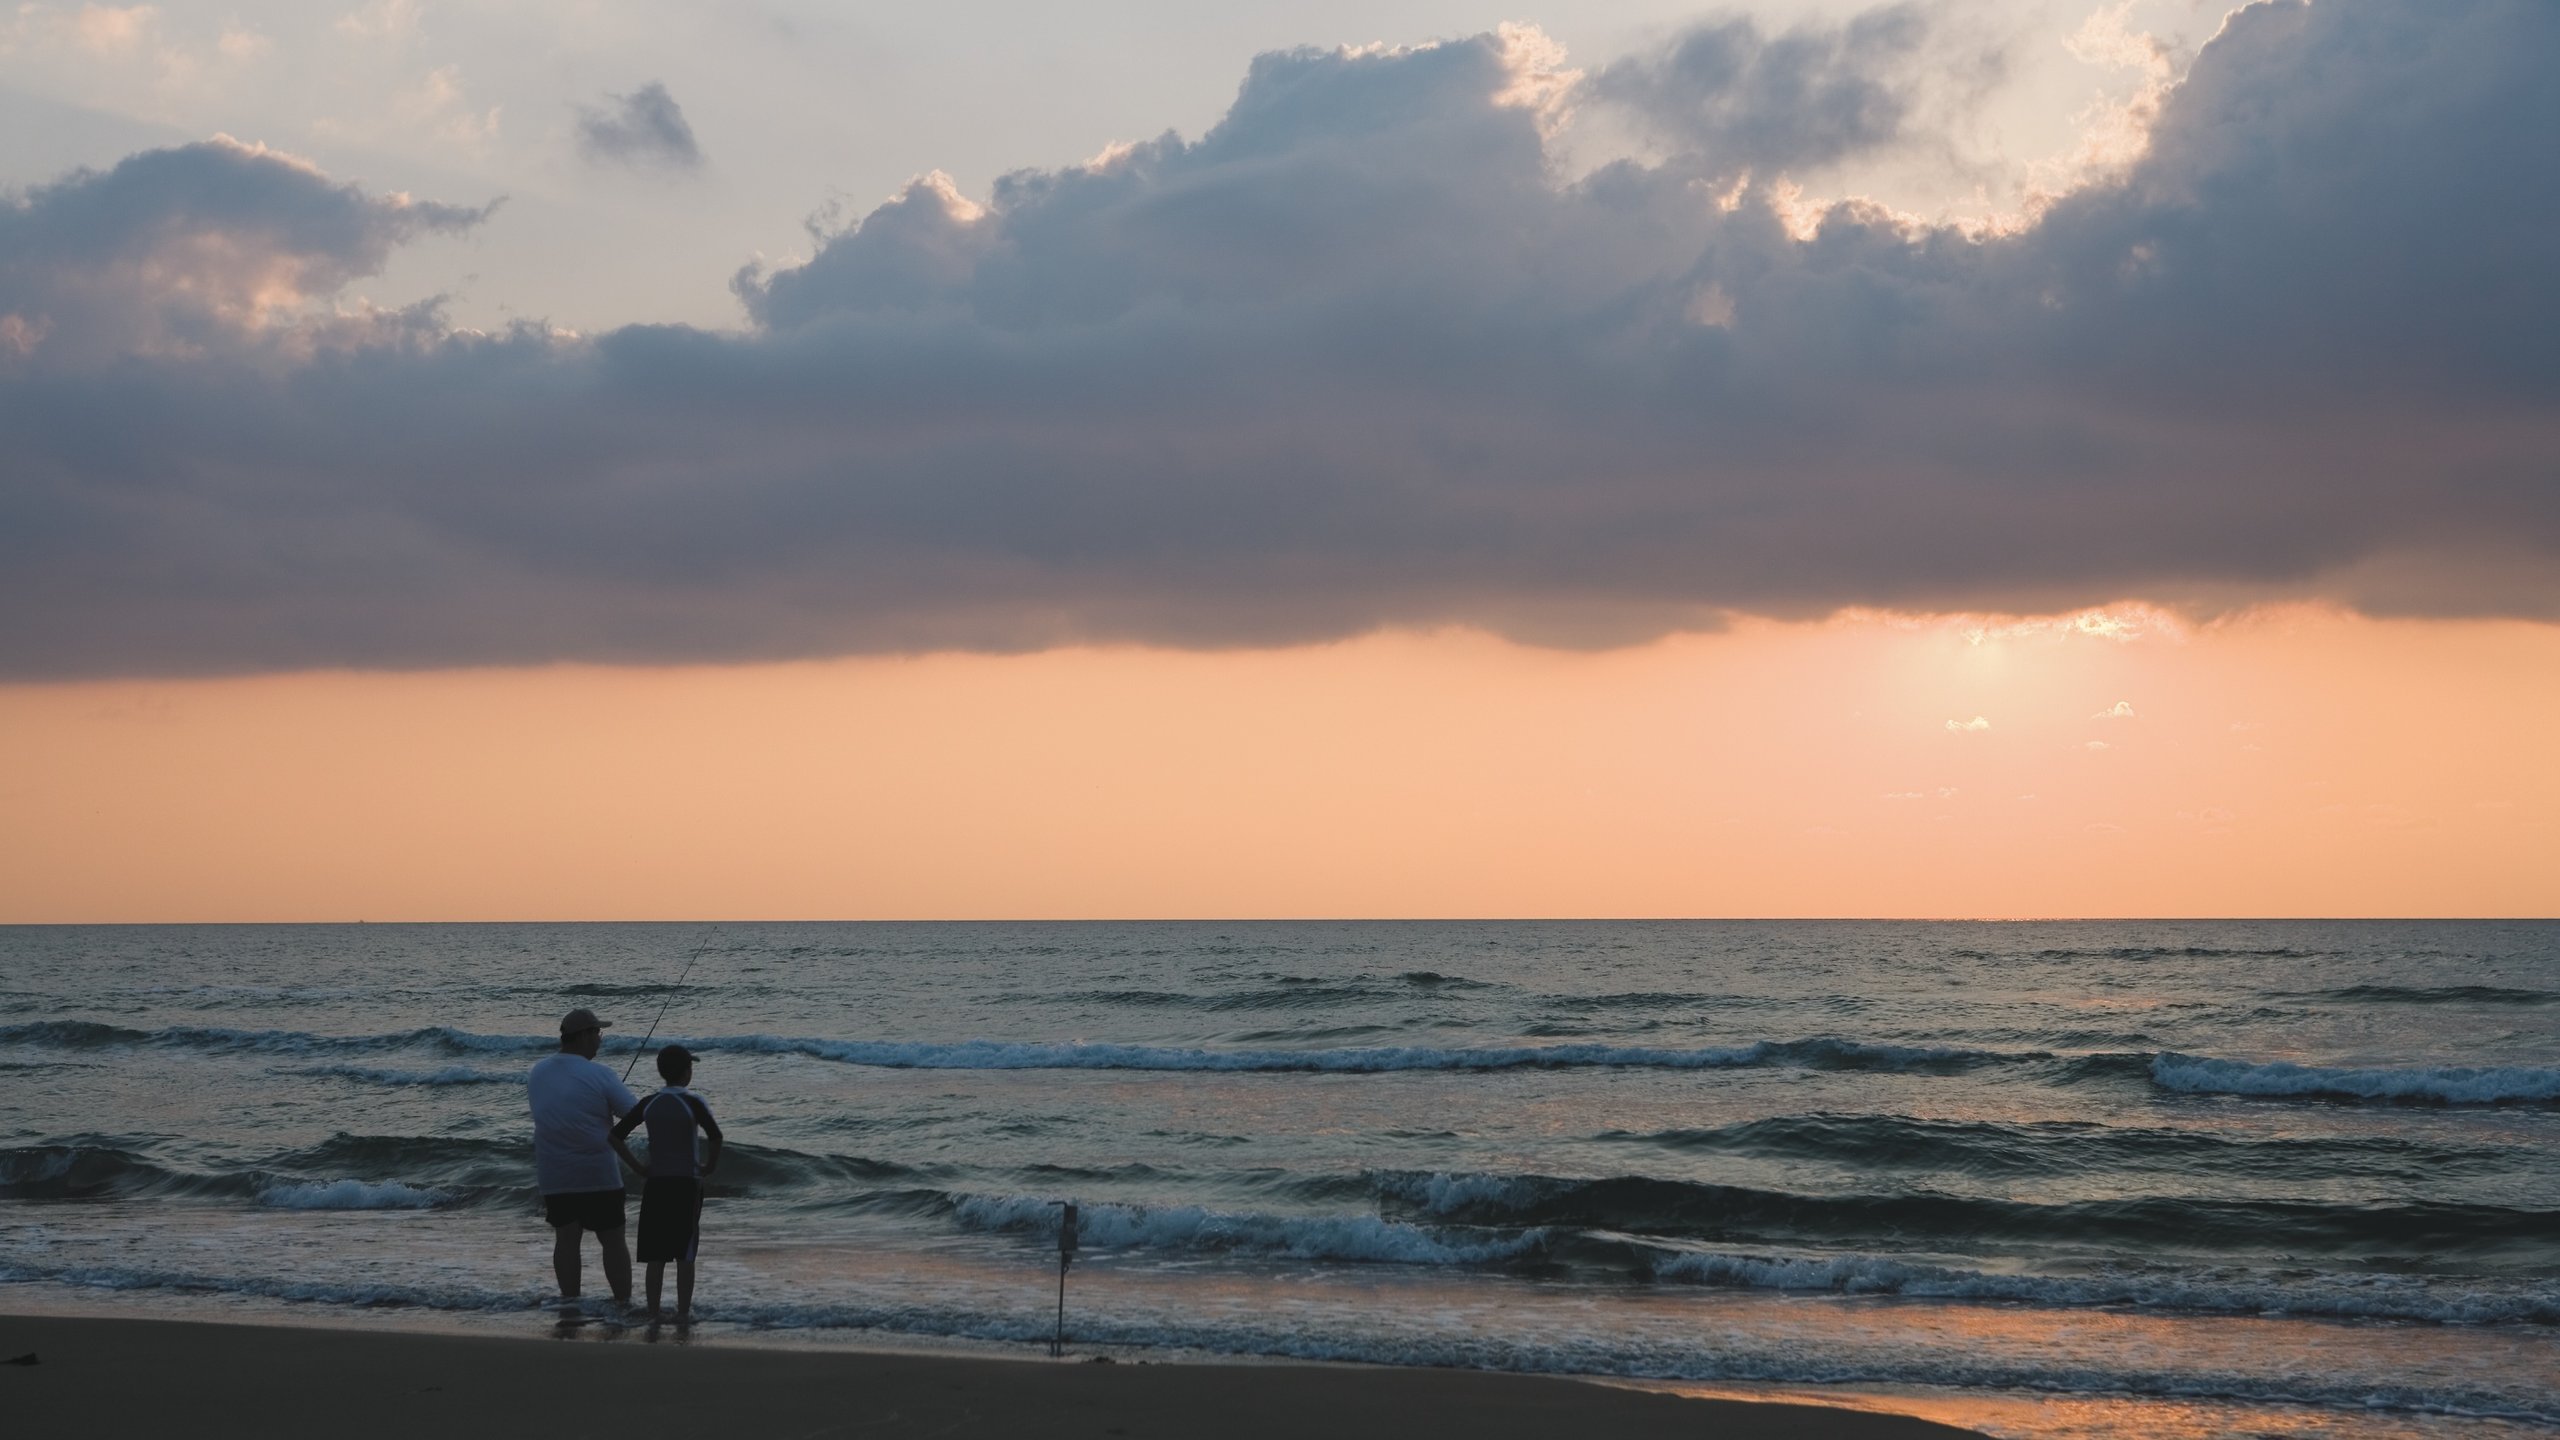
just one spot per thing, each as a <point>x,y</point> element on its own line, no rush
<point>670,1218</point>
<point>596,1210</point>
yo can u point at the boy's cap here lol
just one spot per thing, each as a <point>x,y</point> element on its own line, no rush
<point>582,1018</point>
<point>675,1055</point>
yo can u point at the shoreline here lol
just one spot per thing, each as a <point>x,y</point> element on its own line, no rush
<point>231,1376</point>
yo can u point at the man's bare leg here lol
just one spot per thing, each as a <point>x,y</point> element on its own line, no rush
<point>684,1289</point>
<point>657,1275</point>
<point>564,1259</point>
<point>617,1265</point>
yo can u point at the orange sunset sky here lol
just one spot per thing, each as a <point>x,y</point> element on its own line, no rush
<point>2288,762</point>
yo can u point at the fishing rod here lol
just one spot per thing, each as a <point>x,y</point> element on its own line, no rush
<point>670,1000</point>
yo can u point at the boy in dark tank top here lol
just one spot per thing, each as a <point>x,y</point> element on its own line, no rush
<point>671,1193</point>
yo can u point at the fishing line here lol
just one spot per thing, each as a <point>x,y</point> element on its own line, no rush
<point>670,1000</point>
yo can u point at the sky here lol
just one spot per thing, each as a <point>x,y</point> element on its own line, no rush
<point>837,461</point>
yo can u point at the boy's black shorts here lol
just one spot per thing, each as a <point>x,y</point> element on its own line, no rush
<point>596,1210</point>
<point>670,1218</point>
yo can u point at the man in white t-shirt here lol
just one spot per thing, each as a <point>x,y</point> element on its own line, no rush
<point>575,1102</point>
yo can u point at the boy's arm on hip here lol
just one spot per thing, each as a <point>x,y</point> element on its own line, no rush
<point>711,1129</point>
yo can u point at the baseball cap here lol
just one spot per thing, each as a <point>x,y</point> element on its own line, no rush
<point>582,1018</point>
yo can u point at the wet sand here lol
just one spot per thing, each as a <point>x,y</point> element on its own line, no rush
<point>178,1378</point>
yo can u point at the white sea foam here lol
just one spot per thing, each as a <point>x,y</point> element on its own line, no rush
<point>2436,1084</point>
<point>350,1195</point>
<point>1354,1238</point>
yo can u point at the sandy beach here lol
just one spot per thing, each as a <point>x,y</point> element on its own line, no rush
<point>97,1375</point>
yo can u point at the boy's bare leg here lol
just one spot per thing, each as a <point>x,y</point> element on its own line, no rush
<point>657,1275</point>
<point>564,1259</point>
<point>684,1289</point>
<point>617,1266</point>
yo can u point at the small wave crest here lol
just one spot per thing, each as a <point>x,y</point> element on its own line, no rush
<point>2416,1085</point>
<point>2146,952</point>
<point>2059,1147</point>
<point>71,1170</point>
<point>422,1173</point>
<point>97,1035</point>
<point>1819,1053</point>
<point>1815,1053</point>
<point>385,1172</point>
<point>382,1075</point>
<point>2424,995</point>
<point>1287,992</point>
<point>1435,980</point>
<point>1645,1206</point>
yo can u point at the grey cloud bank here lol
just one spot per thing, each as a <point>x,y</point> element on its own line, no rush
<point>1355,357</point>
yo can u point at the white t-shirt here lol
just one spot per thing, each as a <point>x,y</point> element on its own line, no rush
<point>575,1102</point>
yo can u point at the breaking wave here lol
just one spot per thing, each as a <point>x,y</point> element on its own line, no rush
<point>2416,1085</point>
<point>1368,1239</point>
<point>350,1195</point>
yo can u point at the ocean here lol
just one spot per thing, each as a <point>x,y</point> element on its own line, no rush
<point>2053,1179</point>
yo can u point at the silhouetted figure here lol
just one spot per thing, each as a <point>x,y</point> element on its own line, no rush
<point>671,1193</point>
<point>575,1102</point>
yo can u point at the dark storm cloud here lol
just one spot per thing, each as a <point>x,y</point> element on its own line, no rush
<point>645,127</point>
<point>1355,357</point>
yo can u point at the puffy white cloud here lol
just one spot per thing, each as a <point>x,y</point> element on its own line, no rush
<point>1963,727</point>
<point>1357,356</point>
<point>2121,710</point>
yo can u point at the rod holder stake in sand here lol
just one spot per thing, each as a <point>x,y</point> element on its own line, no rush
<point>1066,1257</point>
